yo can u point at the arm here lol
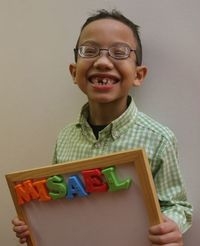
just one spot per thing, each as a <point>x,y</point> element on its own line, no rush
<point>21,230</point>
<point>169,184</point>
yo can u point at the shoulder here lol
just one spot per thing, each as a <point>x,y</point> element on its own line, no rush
<point>67,131</point>
<point>160,140</point>
<point>148,124</point>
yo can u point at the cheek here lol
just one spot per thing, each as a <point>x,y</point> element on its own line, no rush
<point>81,70</point>
<point>127,71</point>
<point>81,78</point>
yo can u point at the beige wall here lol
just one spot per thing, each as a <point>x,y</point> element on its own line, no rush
<point>37,96</point>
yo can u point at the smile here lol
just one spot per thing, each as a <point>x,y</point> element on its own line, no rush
<point>103,81</point>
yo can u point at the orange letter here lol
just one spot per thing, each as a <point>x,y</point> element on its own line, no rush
<point>25,192</point>
<point>42,190</point>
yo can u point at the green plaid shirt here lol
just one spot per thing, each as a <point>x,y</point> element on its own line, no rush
<point>132,129</point>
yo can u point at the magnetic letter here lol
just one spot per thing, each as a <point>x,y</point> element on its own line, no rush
<point>93,181</point>
<point>75,187</point>
<point>57,187</point>
<point>42,190</point>
<point>25,192</point>
<point>113,182</point>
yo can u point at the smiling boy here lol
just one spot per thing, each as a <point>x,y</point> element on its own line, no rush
<point>108,63</point>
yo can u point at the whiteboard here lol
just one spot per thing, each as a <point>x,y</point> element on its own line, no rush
<point>115,218</point>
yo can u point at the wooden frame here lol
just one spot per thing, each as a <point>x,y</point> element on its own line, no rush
<point>134,158</point>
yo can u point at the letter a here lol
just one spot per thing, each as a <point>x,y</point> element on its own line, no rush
<point>75,187</point>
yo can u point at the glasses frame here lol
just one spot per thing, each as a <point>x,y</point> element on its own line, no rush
<point>78,51</point>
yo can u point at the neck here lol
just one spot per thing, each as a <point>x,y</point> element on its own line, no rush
<point>105,113</point>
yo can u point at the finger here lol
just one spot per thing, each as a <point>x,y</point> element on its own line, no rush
<point>17,222</point>
<point>160,229</point>
<point>20,228</point>
<point>171,244</point>
<point>23,240</point>
<point>165,239</point>
<point>22,234</point>
<point>164,228</point>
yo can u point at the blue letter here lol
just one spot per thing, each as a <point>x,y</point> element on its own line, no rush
<point>75,187</point>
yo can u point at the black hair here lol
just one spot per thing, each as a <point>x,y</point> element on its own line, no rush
<point>116,15</point>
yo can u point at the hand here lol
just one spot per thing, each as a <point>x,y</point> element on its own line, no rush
<point>21,230</point>
<point>166,233</point>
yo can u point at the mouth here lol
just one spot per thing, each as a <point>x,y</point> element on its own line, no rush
<point>103,80</point>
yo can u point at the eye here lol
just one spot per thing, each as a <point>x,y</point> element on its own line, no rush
<point>89,51</point>
<point>118,51</point>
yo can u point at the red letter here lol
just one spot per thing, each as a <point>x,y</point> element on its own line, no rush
<point>93,181</point>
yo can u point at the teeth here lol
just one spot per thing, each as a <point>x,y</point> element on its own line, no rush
<point>102,81</point>
<point>105,81</point>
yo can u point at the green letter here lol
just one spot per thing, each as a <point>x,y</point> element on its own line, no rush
<point>57,187</point>
<point>114,183</point>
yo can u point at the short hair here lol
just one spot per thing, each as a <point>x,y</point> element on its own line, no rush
<point>115,15</point>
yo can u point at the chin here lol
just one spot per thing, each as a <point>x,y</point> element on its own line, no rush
<point>102,99</point>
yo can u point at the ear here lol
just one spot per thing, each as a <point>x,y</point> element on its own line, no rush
<point>141,72</point>
<point>72,69</point>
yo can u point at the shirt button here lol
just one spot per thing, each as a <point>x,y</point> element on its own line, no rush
<point>97,145</point>
<point>115,134</point>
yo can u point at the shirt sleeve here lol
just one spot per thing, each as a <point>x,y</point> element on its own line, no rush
<point>54,160</point>
<point>169,185</point>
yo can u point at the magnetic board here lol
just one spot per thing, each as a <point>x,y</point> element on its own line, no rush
<point>109,200</point>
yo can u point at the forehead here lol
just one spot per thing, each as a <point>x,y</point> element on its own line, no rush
<point>107,32</point>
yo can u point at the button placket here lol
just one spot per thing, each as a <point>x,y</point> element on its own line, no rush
<point>97,145</point>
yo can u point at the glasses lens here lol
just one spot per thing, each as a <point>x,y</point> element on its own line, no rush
<point>119,52</point>
<point>88,51</point>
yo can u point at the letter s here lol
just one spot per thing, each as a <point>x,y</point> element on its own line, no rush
<point>57,187</point>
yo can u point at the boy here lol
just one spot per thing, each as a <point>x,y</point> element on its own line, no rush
<point>108,62</point>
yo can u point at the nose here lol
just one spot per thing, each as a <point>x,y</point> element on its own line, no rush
<point>103,61</point>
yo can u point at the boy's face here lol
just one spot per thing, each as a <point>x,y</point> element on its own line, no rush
<point>105,79</point>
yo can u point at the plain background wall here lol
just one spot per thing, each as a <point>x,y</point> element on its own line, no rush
<point>37,95</point>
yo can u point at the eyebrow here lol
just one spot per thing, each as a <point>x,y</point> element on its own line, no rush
<point>93,43</point>
<point>89,42</point>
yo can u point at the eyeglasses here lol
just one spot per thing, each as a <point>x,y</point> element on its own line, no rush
<point>118,52</point>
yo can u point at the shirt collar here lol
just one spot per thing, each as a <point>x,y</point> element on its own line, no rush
<point>116,127</point>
